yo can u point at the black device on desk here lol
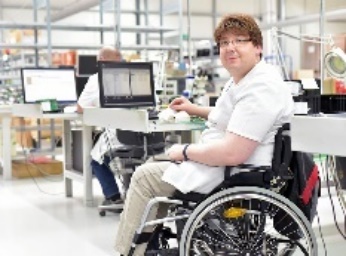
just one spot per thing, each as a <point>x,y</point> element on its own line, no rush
<point>41,84</point>
<point>126,84</point>
<point>333,103</point>
<point>153,113</point>
<point>311,96</point>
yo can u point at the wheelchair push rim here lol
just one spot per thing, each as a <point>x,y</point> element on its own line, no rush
<point>237,221</point>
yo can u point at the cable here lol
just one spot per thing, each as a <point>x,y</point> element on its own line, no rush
<point>27,161</point>
<point>321,234</point>
<point>333,209</point>
<point>303,172</point>
<point>35,181</point>
<point>318,216</point>
<point>45,174</point>
<point>340,198</point>
<point>30,157</point>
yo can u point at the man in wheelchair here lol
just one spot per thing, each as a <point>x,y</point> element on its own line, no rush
<point>254,104</point>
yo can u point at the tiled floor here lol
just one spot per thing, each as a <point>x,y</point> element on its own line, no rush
<point>36,223</point>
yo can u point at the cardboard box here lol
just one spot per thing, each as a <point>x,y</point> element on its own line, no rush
<point>303,73</point>
<point>23,138</point>
<point>46,134</point>
<point>25,169</point>
<point>329,86</point>
<point>333,86</point>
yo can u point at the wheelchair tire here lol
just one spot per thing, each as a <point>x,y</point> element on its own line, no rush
<point>241,221</point>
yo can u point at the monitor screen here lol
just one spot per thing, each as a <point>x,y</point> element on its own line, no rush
<point>126,84</point>
<point>49,83</point>
<point>86,65</point>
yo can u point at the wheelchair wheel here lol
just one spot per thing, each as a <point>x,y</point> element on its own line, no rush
<point>247,221</point>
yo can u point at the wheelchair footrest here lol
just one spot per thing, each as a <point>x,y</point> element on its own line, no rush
<point>163,252</point>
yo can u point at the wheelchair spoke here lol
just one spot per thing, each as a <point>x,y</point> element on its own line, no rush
<point>259,223</point>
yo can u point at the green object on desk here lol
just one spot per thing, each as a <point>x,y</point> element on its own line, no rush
<point>49,105</point>
<point>197,119</point>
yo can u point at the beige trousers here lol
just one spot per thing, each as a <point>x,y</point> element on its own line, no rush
<point>145,184</point>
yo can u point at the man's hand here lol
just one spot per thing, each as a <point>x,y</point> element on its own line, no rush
<point>175,153</point>
<point>181,104</point>
<point>79,109</point>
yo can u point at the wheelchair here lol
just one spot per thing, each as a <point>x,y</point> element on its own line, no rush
<point>246,215</point>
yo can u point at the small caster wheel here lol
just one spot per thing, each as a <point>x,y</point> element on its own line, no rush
<point>102,213</point>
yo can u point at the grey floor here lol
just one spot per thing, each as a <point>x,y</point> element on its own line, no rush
<point>36,219</point>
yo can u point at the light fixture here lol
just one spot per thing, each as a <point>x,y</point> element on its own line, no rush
<point>335,63</point>
<point>334,59</point>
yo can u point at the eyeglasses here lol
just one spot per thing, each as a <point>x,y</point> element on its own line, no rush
<point>236,42</point>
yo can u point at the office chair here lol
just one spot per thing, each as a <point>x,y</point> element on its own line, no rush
<point>136,148</point>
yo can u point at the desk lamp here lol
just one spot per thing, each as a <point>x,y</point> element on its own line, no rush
<point>334,60</point>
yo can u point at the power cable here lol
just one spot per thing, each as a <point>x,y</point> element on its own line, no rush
<point>333,207</point>
<point>44,174</point>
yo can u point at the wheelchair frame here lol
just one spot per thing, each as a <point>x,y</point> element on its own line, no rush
<point>274,177</point>
<point>199,208</point>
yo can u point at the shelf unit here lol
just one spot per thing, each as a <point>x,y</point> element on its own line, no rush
<point>48,26</point>
<point>9,72</point>
<point>119,28</point>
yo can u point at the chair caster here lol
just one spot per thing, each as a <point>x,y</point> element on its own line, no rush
<point>102,213</point>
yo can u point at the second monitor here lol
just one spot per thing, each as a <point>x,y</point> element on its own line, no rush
<point>86,65</point>
<point>49,83</point>
<point>126,84</point>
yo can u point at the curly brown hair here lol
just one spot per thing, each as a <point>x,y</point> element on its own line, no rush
<point>241,24</point>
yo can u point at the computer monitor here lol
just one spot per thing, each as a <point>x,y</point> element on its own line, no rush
<point>49,83</point>
<point>126,84</point>
<point>86,65</point>
<point>80,84</point>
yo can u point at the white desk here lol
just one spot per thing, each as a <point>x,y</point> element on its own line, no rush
<point>133,120</point>
<point>35,111</point>
<point>320,134</point>
<point>324,135</point>
<point>5,115</point>
<point>126,119</point>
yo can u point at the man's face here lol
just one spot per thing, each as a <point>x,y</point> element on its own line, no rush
<point>109,56</point>
<point>238,54</point>
<point>117,57</point>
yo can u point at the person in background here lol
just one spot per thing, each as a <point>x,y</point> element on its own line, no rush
<point>90,96</point>
<point>241,127</point>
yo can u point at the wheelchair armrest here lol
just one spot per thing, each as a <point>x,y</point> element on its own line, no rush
<point>156,148</point>
<point>248,175</point>
<point>190,197</point>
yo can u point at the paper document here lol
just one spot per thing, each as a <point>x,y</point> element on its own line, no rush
<point>309,83</point>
